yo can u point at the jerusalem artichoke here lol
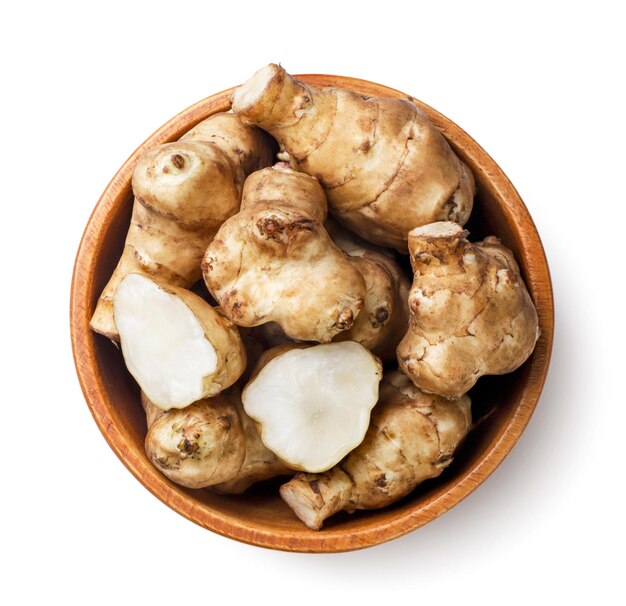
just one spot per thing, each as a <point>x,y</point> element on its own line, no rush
<point>385,168</point>
<point>411,438</point>
<point>313,404</point>
<point>283,184</point>
<point>385,314</point>
<point>212,443</point>
<point>183,193</point>
<point>178,347</point>
<point>471,314</point>
<point>274,262</point>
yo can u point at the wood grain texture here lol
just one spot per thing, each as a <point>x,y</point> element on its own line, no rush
<point>260,517</point>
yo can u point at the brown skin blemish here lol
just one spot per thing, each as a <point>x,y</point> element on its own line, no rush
<point>315,487</point>
<point>163,463</point>
<point>178,161</point>
<point>270,227</point>
<point>423,258</point>
<point>381,481</point>
<point>207,264</point>
<point>187,447</point>
<point>379,317</point>
<point>236,309</point>
<point>345,319</point>
<point>225,422</point>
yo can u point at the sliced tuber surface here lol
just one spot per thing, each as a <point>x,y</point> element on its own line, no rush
<point>312,404</point>
<point>178,348</point>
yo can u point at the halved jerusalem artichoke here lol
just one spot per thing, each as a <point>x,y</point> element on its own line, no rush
<point>313,404</point>
<point>177,347</point>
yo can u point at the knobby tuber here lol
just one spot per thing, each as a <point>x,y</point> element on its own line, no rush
<point>411,438</point>
<point>274,262</point>
<point>385,167</point>
<point>283,184</point>
<point>471,314</point>
<point>210,444</point>
<point>183,192</point>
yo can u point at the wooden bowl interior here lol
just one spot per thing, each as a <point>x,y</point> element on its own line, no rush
<point>503,403</point>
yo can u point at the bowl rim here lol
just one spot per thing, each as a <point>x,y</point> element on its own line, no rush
<point>368,534</point>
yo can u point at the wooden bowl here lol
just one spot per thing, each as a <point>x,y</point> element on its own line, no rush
<point>261,517</point>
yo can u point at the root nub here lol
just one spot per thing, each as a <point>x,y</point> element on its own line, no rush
<point>345,319</point>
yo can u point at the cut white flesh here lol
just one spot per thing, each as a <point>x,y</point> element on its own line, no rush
<point>313,405</point>
<point>168,338</point>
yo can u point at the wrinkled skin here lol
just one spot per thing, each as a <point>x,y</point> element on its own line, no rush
<point>385,314</point>
<point>210,444</point>
<point>385,167</point>
<point>282,183</point>
<point>183,192</point>
<point>471,314</point>
<point>274,262</point>
<point>412,437</point>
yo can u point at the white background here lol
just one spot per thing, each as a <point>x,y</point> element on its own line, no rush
<point>539,87</point>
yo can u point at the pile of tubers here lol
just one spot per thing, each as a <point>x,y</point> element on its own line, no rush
<point>310,353</point>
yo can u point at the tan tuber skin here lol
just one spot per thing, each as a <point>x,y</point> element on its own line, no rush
<point>274,262</point>
<point>385,314</point>
<point>283,184</point>
<point>471,314</point>
<point>210,444</point>
<point>385,167</point>
<point>183,192</point>
<point>411,438</point>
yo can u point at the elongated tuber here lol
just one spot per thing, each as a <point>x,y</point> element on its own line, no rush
<point>212,443</point>
<point>412,437</point>
<point>183,192</point>
<point>274,262</point>
<point>178,347</point>
<point>385,167</point>
<point>312,404</point>
<point>471,314</point>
